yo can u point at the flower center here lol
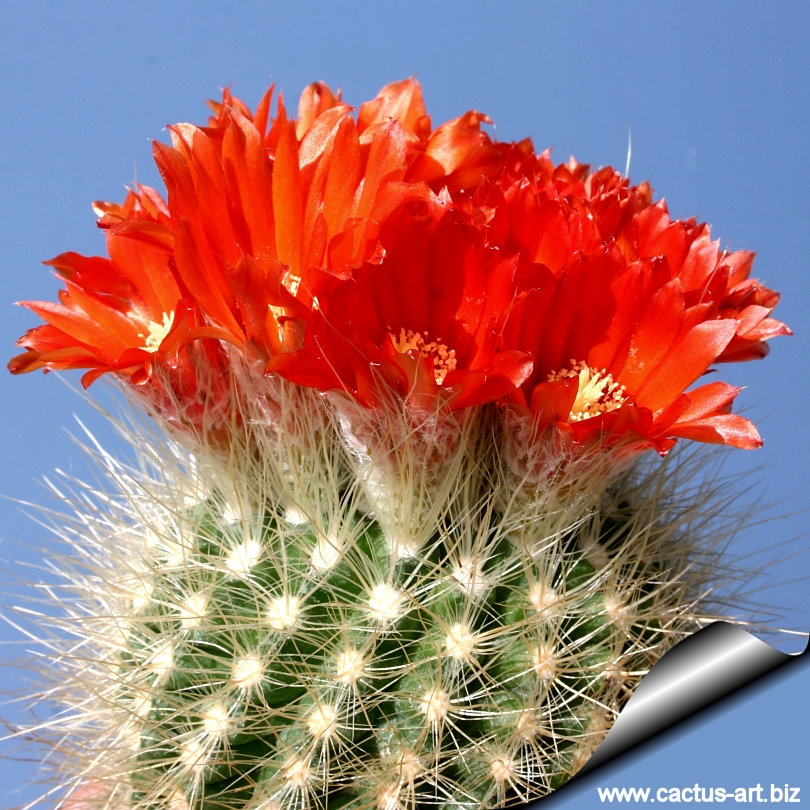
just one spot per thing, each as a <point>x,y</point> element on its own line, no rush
<point>444,359</point>
<point>598,392</point>
<point>157,332</point>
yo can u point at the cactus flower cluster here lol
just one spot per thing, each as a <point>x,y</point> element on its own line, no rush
<point>403,530</point>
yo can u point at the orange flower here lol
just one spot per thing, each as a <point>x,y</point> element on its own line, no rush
<point>128,315</point>
<point>253,207</point>
<point>425,322</point>
<point>615,347</point>
<point>456,156</point>
<point>549,214</point>
<point>708,275</point>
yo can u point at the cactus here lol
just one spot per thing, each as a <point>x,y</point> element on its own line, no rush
<point>392,538</point>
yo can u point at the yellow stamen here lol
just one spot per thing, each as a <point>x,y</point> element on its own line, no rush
<point>292,283</point>
<point>157,332</point>
<point>598,392</point>
<point>444,359</point>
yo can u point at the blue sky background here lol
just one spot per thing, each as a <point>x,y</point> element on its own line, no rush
<point>716,95</point>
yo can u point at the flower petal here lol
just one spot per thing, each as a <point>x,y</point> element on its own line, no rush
<point>689,358</point>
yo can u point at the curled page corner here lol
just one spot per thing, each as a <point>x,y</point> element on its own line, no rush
<point>702,669</point>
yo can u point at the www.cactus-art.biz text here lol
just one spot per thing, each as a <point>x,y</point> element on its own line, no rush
<point>697,793</point>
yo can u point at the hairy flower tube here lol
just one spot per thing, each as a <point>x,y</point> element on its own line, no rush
<point>406,523</point>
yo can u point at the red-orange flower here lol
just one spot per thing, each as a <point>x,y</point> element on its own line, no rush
<point>615,347</point>
<point>425,322</point>
<point>549,214</point>
<point>707,275</point>
<point>253,213</point>
<point>129,315</point>
<point>253,206</point>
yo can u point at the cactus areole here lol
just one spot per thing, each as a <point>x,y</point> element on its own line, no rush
<point>406,534</point>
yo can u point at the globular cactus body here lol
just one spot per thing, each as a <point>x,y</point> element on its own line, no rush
<point>239,653</point>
